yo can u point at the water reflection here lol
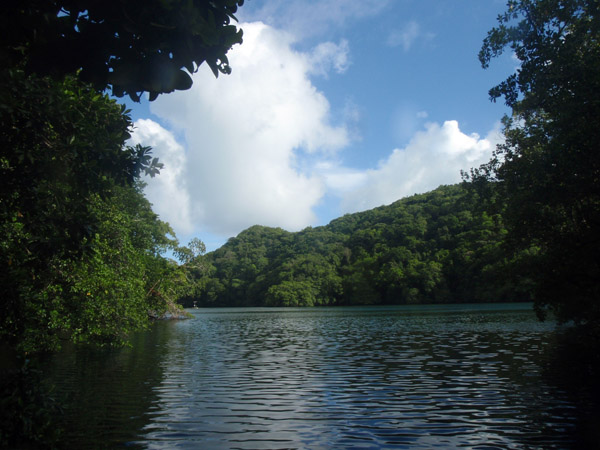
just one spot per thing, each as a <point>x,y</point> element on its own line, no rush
<point>433,377</point>
<point>106,393</point>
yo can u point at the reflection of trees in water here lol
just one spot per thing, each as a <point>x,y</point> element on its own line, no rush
<point>107,393</point>
<point>27,408</point>
<point>497,380</point>
<point>572,367</point>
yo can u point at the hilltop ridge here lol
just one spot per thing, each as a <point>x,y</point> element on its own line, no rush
<point>437,247</point>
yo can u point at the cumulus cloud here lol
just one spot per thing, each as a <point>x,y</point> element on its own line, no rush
<point>305,18</point>
<point>407,36</point>
<point>168,191</point>
<point>259,146</point>
<point>434,156</point>
<point>340,180</point>
<point>245,136</point>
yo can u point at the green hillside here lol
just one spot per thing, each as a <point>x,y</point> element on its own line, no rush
<point>438,247</point>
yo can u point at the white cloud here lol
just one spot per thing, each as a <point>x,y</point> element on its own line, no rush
<point>338,179</point>
<point>306,18</point>
<point>168,191</point>
<point>261,148</point>
<point>407,36</point>
<point>245,134</point>
<point>434,156</point>
<point>327,56</point>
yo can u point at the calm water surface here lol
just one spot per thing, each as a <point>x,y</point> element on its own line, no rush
<point>471,376</point>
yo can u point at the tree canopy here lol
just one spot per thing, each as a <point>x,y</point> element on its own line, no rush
<point>133,46</point>
<point>78,240</point>
<point>548,170</point>
<point>439,247</point>
<point>79,243</point>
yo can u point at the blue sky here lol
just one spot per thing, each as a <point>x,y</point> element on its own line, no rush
<point>333,107</point>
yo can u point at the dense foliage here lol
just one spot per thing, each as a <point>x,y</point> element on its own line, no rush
<point>79,243</point>
<point>80,247</point>
<point>548,171</point>
<point>435,247</point>
<point>77,238</point>
<point>133,46</point>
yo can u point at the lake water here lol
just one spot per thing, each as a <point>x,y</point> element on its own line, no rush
<point>471,376</point>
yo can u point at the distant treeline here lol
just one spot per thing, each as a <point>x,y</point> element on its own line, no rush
<point>438,247</point>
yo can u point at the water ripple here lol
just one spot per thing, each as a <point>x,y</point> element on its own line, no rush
<point>277,379</point>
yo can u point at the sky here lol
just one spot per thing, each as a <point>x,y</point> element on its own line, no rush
<point>332,107</point>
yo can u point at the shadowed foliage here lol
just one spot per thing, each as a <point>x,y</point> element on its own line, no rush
<point>133,46</point>
<point>548,171</point>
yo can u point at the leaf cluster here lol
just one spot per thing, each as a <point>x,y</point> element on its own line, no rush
<point>79,242</point>
<point>548,169</point>
<point>131,46</point>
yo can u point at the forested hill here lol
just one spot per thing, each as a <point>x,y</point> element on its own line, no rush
<point>438,247</point>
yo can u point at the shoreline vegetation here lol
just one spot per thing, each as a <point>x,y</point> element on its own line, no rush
<point>437,247</point>
<point>82,252</point>
<point>81,249</point>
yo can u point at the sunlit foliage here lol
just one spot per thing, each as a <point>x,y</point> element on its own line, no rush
<point>437,247</point>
